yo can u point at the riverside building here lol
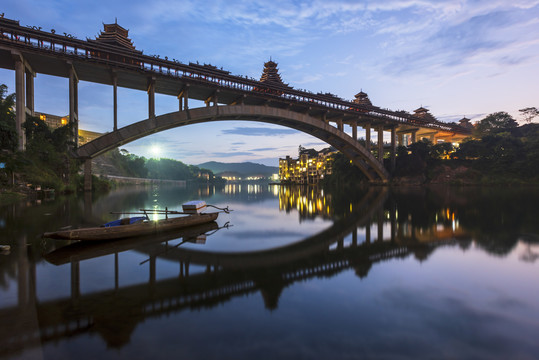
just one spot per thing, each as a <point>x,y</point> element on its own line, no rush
<point>309,168</point>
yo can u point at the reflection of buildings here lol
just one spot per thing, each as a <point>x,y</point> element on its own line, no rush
<point>308,201</point>
<point>309,168</point>
<point>55,121</point>
<point>251,189</point>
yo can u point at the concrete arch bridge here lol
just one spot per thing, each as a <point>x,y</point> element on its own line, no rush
<point>350,147</point>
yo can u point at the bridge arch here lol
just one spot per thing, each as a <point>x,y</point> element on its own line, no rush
<point>351,148</point>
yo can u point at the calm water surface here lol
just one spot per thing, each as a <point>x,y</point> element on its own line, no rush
<point>442,273</point>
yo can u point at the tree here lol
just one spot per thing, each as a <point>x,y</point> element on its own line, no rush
<point>495,123</point>
<point>529,113</point>
<point>441,150</point>
<point>8,131</point>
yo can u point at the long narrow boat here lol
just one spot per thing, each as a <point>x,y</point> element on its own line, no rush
<point>135,229</point>
<point>84,250</point>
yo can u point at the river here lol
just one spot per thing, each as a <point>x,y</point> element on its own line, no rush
<point>290,273</point>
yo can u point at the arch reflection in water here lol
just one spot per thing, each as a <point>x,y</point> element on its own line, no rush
<point>115,313</point>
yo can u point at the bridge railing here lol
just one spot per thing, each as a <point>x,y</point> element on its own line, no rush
<point>206,75</point>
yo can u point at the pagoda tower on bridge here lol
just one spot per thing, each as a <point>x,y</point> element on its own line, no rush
<point>270,76</point>
<point>362,98</point>
<point>113,35</point>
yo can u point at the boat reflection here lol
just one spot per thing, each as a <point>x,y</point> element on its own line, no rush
<point>87,250</point>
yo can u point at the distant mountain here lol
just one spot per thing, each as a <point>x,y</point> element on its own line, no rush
<point>245,168</point>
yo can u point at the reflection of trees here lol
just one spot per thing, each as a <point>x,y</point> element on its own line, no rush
<point>495,217</point>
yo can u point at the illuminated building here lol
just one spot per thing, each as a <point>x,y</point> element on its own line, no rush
<point>309,168</point>
<point>55,121</point>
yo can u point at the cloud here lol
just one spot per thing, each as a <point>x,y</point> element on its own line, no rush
<point>258,131</point>
<point>266,149</point>
<point>230,154</point>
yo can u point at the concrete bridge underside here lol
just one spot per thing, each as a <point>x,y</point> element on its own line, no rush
<point>351,148</point>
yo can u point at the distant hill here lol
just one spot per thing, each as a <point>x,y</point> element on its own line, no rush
<point>245,168</point>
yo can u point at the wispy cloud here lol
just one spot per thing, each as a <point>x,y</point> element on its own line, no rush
<point>266,149</point>
<point>230,154</point>
<point>258,131</point>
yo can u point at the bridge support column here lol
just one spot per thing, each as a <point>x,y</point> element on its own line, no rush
<point>381,144</point>
<point>74,104</point>
<point>393,217</point>
<point>368,137</point>
<point>22,272</point>
<point>393,147</point>
<point>414,136</point>
<point>368,233</point>
<point>354,131</point>
<point>152,271</point>
<point>20,107</point>
<point>324,118</point>
<point>75,281</point>
<point>30,92</point>
<point>400,139</point>
<point>380,226</point>
<point>115,101</point>
<point>116,272</point>
<point>151,98</point>
<point>88,175</point>
<point>340,125</point>
<point>185,96</point>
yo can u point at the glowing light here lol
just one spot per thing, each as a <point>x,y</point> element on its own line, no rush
<point>155,150</point>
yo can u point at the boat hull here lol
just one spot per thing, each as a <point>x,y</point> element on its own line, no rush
<point>84,250</point>
<point>124,231</point>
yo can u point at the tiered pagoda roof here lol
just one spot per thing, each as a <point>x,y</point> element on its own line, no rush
<point>424,114</point>
<point>362,98</point>
<point>270,75</point>
<point>115,35</point>
<point>465,122</point>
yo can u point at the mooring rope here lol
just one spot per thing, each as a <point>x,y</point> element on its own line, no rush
<point>226,210</point>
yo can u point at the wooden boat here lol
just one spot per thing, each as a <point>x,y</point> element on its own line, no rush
<point>138,228</point>
<point>84,250</point>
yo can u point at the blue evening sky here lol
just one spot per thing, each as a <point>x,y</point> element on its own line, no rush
<point>456,58</point>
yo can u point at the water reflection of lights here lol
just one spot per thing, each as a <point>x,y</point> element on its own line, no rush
<point>307,201</point>
<point>235,188</point>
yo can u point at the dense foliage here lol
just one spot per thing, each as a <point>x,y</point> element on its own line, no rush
<point>47,161</point>
<point>8,134</point>
<point>499,152</point>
